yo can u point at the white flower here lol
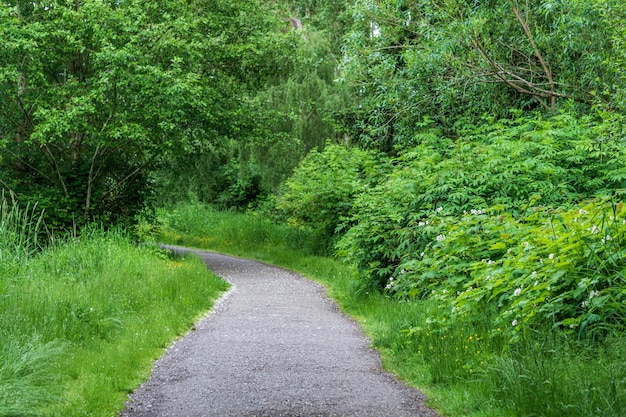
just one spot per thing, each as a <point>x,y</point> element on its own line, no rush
<point>582,211</point>
<point>551,256</point>
<point>593,293</point>
<point>594,229</point>
<point>534,273</point>
<point>517,292</point>
<point>422,254</point>
<point>606,239</point>
<point>421,224</point>
<point>441,238</point>
<point>514,323</point>
<point>584,304</point>
<point>439,209</point>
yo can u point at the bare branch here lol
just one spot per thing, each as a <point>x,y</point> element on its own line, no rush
<point>544,64</point>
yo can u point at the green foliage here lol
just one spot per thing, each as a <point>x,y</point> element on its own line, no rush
<point>321,191</point>
<point>412,63</point>
<point>300,109</point>
<point>547,267</point>
<point>95,95</point>
<point>537,161</point>
<point>456,221</point>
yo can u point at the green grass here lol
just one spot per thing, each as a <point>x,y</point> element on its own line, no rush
<point>82,323</point>
<point>465,368</point>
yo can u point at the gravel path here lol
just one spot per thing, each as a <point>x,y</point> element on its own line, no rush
<point>276,346</point>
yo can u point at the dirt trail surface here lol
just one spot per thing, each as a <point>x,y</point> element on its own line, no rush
<point>276,346</point>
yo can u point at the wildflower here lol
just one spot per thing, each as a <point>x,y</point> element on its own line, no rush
<point>514,323</point>
<point>441,238</point>
<point>517,292</point>
<point>606,239</point>
<point>534,273</point>
<point>420,224</point>
<point>551,256</point>
<point>584,303</point>
<point>422,254</point>
<point>594,229</point>
<point>536,283</point>
<point>439,209</point>
<point>593,293</point>
<point>525,244</point>
<point>582,211</point>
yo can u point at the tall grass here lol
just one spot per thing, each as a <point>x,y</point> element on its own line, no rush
<point>19,229</point>
<point>81,323</point>
<point>198,225</point>
<point>467,367</point>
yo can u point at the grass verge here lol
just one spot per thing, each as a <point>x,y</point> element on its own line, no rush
<point>465,368</point>
<point>81,324</point>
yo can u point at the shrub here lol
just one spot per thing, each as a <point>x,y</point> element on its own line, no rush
<point>321,191</point>
<point>513,163</point>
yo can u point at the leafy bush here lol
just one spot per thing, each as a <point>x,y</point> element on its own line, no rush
<point>516,163</point>
<point>322,189</point>
<point>555,267</point>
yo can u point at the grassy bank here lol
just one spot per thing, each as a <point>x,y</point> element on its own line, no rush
<point>81,324</point>
<point>467,368</point>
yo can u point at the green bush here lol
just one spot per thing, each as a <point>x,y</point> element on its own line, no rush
<point>321,191</point>
<point>515,163</point>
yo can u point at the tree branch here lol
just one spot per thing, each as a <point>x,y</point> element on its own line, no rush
<point>544,65</point>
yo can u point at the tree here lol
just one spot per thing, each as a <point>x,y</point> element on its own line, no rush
<point>445,63</point>
<point>94,95</point>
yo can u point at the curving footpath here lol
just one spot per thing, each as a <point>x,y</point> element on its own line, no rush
<point>274,346</point>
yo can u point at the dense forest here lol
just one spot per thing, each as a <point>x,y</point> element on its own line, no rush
<point>469,155</point>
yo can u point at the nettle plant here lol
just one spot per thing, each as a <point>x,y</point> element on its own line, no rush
<point>563,268</point>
